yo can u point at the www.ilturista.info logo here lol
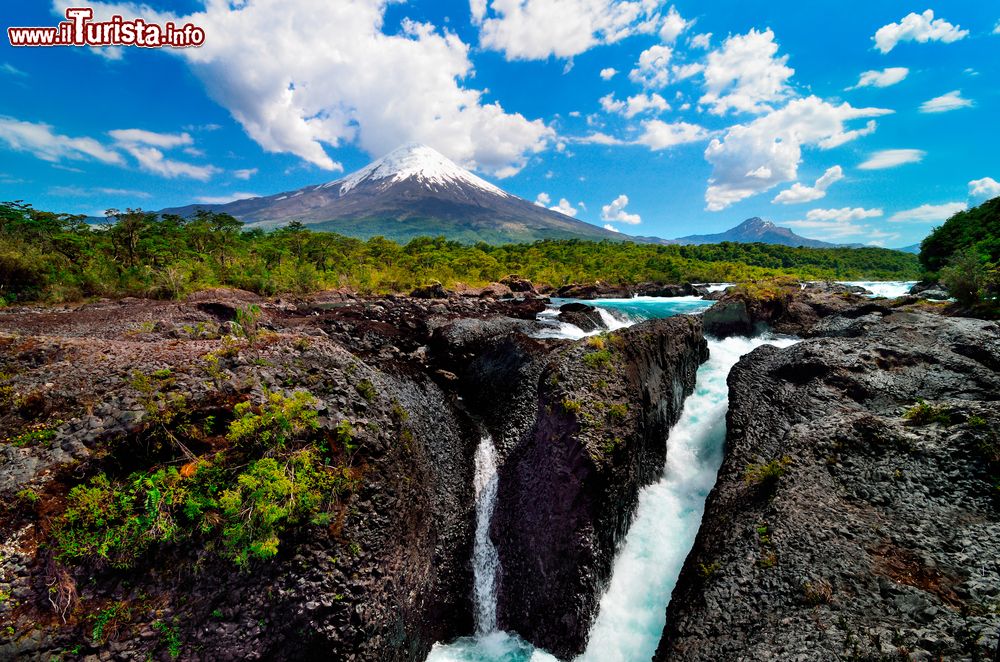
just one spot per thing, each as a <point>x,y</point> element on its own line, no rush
<point>80,30</point>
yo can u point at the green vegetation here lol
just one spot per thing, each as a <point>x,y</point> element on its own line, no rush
<point>169,637</point>
<point>36,435</point>
<point>57,257</point>
<point>571,406</point>
<point>766,476</point>
<point>273,478</point>
<point>598,359</point>
<point>924,413</point>
<point>707,571</point>
<point>366,390</point>
<point>109,620</point>
<point>964,253</point>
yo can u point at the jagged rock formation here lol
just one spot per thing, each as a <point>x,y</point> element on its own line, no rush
<point>569,488</point>
<point>849,521</point>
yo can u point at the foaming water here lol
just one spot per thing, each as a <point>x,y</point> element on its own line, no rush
<point>485,562</point>
<point>633,610</point>
<point>890,289</point>
<point>617,313</point>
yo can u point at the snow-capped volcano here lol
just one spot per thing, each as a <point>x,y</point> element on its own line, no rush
<point>415,161</point>
<point>410,192</point>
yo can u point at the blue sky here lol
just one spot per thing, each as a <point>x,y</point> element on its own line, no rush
<point>847,121</point>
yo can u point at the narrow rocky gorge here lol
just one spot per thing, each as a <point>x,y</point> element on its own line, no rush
<point>127,401</point>
<point>855,515</point>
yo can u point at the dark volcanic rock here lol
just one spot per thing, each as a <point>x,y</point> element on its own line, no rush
<point>875,535</point>
<point>586,317</point>
<point>784,307</point>
<point>568,490</point>
<point>668,290</point>
<point>598,290</point>
<point>518,284</point>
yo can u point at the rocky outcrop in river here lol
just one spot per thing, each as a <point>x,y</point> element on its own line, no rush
<point>568,490</point>
<point>856,513</point>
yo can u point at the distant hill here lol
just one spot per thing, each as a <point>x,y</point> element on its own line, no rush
<point>912,248</point>
<point>412,191</point>
<point>758,230</point>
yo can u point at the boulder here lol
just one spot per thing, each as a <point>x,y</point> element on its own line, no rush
<point>582,315</point>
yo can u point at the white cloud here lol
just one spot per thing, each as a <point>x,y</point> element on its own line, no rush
<point>223,199</point>
<point>608,226</point>
<point>921,28</point>
<point>703,40</point>
<point>635,105</point>
<point>537,29</point>
<point>951,101</point>
<point>884,78</point>
<point>928,213</point>
<point>890,158</point>
<point>40,140</point>
<point>608,73</point>
<point>653,66</point>
<point>773,144</point>
<point>79,192</point>
<point>11,70</point>
<point>672,27</point>
<point>245,173</point>
<point>745,75</point>
<point>996,28</point>
<point>984,189</point>
<point>598,138</point>
<point>658,135</point>
<point>615,212</point>
<point>330,75</point>
<point>565,207</point>
<point>146,147</point>
<point>799,193</point>
<point>837,224</point>
<point>153,160</point>
<point>164,140</point>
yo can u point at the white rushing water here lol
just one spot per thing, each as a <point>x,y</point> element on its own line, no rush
<point>890,289</point>
<point>633,609</point>
<point>485,562</point>
<point>489,644</point>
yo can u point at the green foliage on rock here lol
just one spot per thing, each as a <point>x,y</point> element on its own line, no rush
<point>58,257</point>
<point>240,501</point>
<point>964,253</point>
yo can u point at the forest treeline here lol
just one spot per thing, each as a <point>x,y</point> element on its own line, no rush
<point>53,257</point>
<point>964,254</point>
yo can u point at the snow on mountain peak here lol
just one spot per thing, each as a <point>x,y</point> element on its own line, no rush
<point>415,160</point>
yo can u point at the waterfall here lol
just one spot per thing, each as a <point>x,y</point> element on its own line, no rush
<point>630,619</point>
<point>485,561</point>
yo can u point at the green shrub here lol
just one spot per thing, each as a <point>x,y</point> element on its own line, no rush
<point>279,420</point>
<point>571,406</point>
<point>598,359</point>
<point>366,390</point>
<point>766,475</point>
<point>924,413</point>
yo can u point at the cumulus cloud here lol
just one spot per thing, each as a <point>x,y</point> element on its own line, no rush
<point>608,226</point>
<point>598,138</point>
<point>537,29</point>
<point>755,157</point>
<point>653,66</point>
<point>615,212</point>
<point>921,28</point>
<point>635,105</point>
<point>564,207</point>
<point>890,158</point>
<point>703,40</point>
<point>746,75</point>
<point>884,78</point>
<point>245,173</point>
<point>672,26</point>
<point>608,73</point>
<point>330,76</point>
<point>657,134</point>
<point>223,199</point>
<point>951,101</point>
<point>40,140</point>
<point>928,213</point>
<point>984,189</point>
<point>799,193</point>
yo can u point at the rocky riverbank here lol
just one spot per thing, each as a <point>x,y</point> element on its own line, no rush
<point>856,514</point>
